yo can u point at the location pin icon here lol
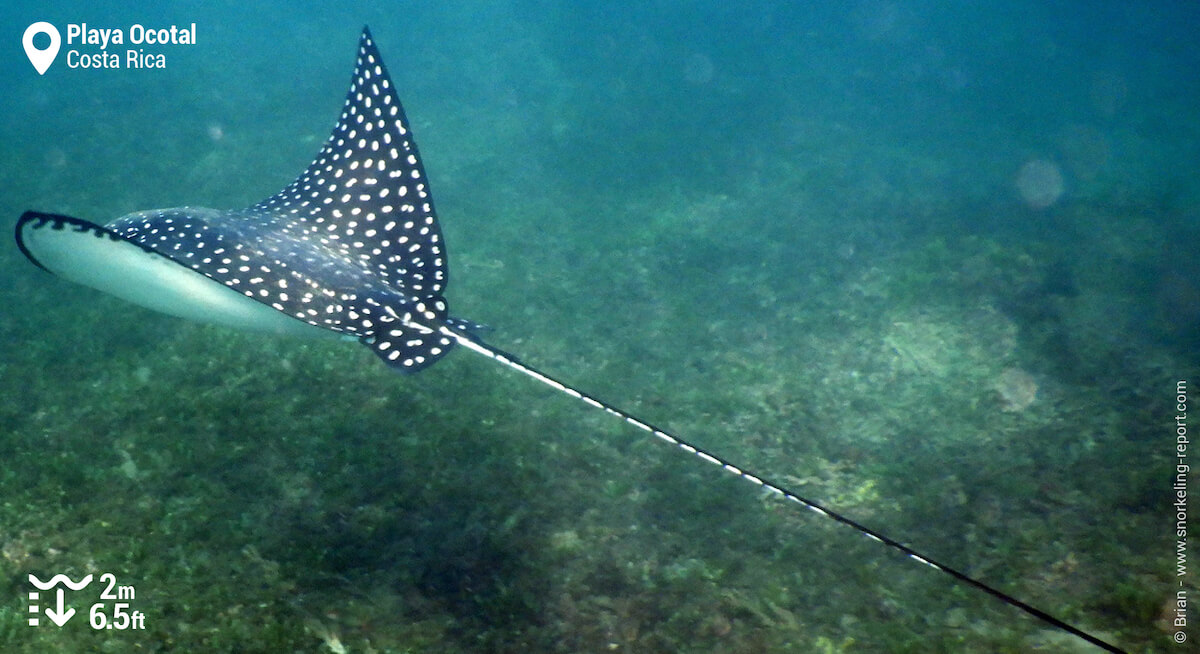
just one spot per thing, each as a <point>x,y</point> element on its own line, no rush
<point>41,59</point>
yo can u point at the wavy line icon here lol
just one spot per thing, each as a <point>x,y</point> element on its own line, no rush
<point>60,578</point>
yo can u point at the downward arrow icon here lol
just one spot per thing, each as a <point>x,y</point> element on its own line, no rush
<point>60,617</point>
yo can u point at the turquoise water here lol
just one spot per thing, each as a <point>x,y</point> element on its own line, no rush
<point>932,266</point>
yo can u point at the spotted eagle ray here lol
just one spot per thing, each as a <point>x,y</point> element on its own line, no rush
<point>352,247</point>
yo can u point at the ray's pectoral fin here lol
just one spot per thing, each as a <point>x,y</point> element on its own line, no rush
<point>405,333</point>
<point>408,349</point>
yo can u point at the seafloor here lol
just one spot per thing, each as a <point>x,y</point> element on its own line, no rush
<point>993,398</point>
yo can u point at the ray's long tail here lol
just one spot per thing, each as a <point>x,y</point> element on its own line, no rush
<point>770,486</point>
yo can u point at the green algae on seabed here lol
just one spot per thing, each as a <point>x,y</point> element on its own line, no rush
<point>279,495</point>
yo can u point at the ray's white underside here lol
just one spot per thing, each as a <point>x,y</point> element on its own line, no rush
<point>151,280</point>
